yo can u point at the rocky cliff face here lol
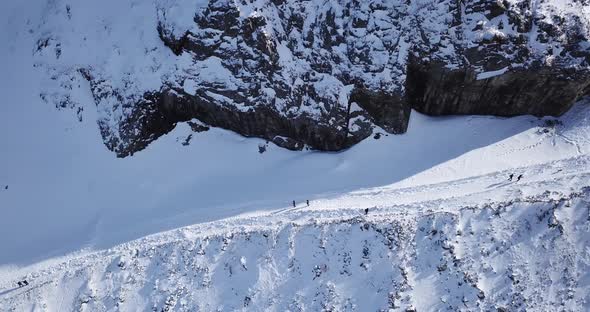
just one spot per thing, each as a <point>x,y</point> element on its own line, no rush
<point>517,57</point>
<point>325,74</point>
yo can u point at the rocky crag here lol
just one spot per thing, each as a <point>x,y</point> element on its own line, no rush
<point>322,74</point>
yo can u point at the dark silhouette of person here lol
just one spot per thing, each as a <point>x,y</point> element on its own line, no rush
<point>26,283</point>
<point>20,284</point>
<point>366,211</point>
<point>519,177</point>
<point>510,177</point>
<point>293,203</point>
<point>307,202</point>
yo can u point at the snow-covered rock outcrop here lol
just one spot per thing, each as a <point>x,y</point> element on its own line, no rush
<point>316,73</point>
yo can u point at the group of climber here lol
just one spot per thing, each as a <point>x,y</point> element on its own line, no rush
<point>512,176</point>
<point>295,204</point>
<point>23,283</point>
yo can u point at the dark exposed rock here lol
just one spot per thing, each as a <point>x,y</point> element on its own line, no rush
<point>261,122</point>
<point>187,140</point>
<point>389,111</point>
<point>149,117</point>
<point>435,90</point>
<point>197,127</point>
<point>481,295</point>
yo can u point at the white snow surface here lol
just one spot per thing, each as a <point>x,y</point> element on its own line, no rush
<point>205,226</point>
<point>490,74</point>
<point>456,236</point>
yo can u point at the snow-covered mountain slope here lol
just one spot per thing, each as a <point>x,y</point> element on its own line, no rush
<point>76,194</point>
<point>479,243</point>
<point>319,73</point>
<point>445,230</point>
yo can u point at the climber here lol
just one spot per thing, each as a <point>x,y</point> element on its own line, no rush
<point>293,203</point>
<point>366,211</point>
<point>307,202</point>
<point>26,283</point>
<point>510,177</point>
<point>519,177</point>
<point>20,284</point>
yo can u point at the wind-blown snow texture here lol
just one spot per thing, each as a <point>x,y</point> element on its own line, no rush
<point>321,73</point>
